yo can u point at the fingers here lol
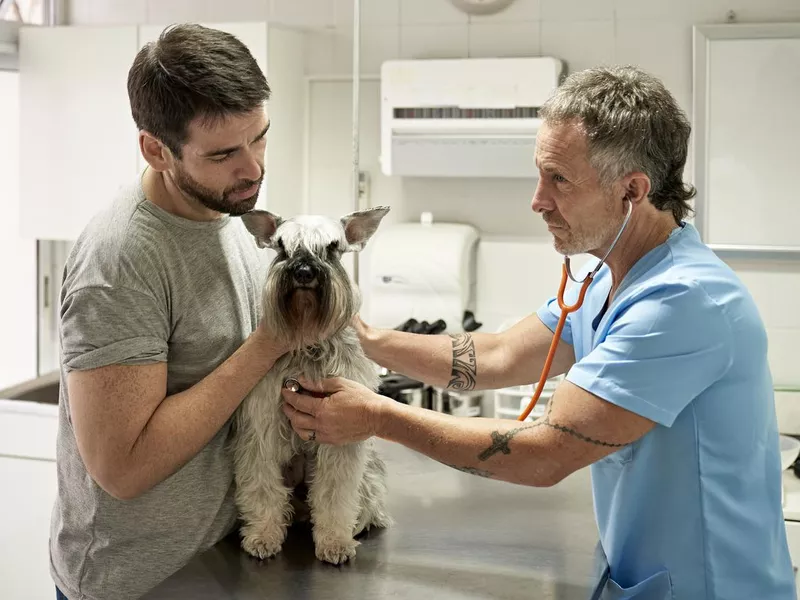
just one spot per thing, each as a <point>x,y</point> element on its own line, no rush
<point>307,434</point>
<point>326,386</point>
<point>304,425</point>
<point>301,402</point>
<point>299,420</point>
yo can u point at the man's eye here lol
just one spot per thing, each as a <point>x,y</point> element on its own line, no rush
<point>559,178</point>
<point>221,159</point>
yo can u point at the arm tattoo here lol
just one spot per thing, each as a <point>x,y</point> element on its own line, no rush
<point>500,440</point>
<point>473,471</point>
<point>465,367</point>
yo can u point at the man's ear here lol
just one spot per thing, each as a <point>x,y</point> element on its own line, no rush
<point>637,187</point>
<point>359,226</point>
<point>155,152</point>
<point>263,225</point>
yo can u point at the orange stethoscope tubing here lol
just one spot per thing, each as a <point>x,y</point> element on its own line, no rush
<point>566,309</point>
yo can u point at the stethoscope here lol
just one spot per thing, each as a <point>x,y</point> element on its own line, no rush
<point>566,309</point>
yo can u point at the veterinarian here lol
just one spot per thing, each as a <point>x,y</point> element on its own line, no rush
<point>668,394</point>
<point>160,329</point>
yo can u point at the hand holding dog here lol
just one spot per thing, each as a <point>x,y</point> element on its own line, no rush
<point>347,412</point>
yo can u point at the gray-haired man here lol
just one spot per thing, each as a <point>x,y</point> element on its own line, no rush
<point>668,394</point>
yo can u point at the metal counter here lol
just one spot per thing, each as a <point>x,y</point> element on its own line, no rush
<point>456,536</point>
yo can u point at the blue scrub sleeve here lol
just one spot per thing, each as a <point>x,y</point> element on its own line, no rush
<point>550,312</point>
<point>660,353</point>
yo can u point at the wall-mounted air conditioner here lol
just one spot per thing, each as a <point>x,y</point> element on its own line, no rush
<point>471,117</point>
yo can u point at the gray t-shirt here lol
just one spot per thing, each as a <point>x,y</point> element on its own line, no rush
<point>140,286</point>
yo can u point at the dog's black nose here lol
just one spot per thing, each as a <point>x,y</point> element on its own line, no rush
<point>304,274</point>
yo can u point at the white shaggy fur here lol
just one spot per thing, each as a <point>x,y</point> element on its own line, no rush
<point>346,484</point>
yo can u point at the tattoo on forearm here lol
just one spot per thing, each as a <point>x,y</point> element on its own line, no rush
<point>473,471</point>
<point>500,440</point>
<point>465,366</point>
<point>580,436</point>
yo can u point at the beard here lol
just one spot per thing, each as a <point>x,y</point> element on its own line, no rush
<point>594,239</point>
<point>219,202</point>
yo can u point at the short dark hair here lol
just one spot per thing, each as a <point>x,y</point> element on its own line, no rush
<point>192,71</point>
<point>632,124</point>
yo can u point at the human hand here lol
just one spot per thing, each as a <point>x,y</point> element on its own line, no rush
<point>347,412</point>
<point>366,333</point>
<point>270,342</point>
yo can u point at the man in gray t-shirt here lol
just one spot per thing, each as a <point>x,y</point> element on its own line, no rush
<point>160,331</point>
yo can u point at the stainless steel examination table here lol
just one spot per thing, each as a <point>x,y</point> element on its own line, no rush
<point>456,536</point>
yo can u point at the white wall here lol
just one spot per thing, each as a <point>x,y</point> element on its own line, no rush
<point>654,34</point>
<point>17,255</point>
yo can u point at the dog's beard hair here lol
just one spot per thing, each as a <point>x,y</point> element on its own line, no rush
<point>307,317</point>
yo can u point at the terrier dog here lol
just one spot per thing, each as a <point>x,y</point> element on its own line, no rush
<point>308,299</point>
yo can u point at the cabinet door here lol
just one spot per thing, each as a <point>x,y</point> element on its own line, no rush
<point>79,144</point>
<point>28,490</point>
<point>253,35</point>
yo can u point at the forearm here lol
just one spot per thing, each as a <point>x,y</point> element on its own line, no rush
<point>185,422</point>
<point>460,362</point>
<point>512,451</point>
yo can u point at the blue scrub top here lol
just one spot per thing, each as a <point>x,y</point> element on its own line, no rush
<point>692,510</point>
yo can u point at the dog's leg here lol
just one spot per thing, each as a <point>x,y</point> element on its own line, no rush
<point>334,498</point>
<point>373,492</point>
<point>262,497</point>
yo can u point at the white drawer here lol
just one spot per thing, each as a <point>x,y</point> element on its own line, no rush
<point>28,429</point>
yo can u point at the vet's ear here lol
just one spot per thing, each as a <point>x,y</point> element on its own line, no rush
<point>263,225</point>
<point>359,226</point>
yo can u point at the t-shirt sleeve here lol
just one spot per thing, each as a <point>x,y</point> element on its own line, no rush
<point>101,326</point>
<point>660,353</point>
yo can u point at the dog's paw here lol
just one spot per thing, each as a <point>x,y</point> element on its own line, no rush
<point>263,544</point>
<point>336,551</point>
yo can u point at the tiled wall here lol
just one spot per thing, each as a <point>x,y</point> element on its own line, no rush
<point>654,34</point>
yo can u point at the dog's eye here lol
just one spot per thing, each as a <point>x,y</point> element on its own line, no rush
<point>334,247</point>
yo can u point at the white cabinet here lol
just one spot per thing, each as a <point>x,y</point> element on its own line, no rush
<point>80,144</point>
<point>18,302</point>
<point>28,488</point>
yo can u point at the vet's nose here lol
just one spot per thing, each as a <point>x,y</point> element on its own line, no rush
<point>304,273</point>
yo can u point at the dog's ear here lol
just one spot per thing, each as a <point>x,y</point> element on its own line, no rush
<point>263,225</point>
<point>359,226</point>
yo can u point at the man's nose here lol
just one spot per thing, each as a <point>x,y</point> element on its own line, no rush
<point>250,168</point>
<point>541,202</point>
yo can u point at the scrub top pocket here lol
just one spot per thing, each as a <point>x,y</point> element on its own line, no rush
<point>655,587</point>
